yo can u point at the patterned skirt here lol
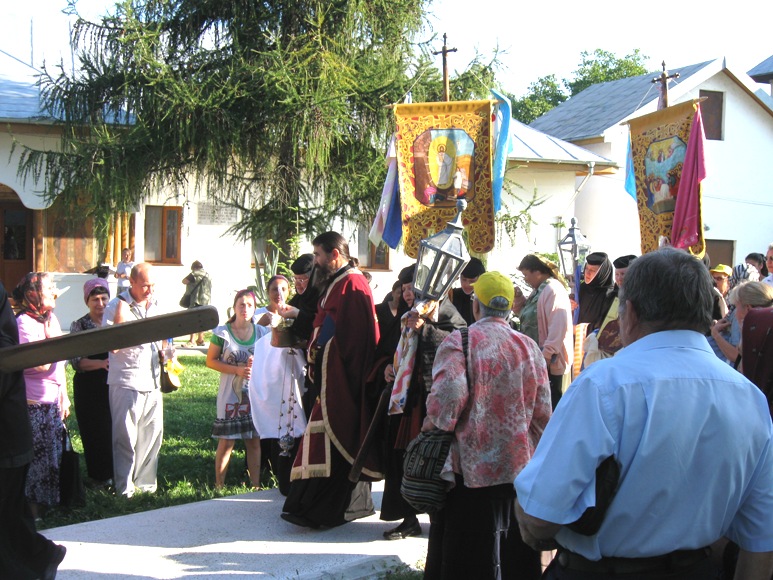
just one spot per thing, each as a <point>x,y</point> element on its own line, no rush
<point>43,477</point>
<point>237,423</point>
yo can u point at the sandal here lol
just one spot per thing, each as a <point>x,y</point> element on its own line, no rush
<point>189,344</point>
<point>200,342</point>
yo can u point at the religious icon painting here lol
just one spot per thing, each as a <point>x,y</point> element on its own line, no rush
<point>662,170</point>
<point>443,163</point>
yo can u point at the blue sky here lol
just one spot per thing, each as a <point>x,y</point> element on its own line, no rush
<point>538,38</point>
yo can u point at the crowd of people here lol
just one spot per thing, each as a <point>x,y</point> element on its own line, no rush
<point>600,470</point>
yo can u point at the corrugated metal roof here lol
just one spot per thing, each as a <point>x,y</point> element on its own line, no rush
<point>763,72</point>
<point>19,92</point>
<point>601,106</point>
<point>529,144</point>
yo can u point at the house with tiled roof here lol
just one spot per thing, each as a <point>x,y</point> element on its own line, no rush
<point>738,117</point>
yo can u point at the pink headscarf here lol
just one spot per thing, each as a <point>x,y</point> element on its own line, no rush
<point>89,286</point>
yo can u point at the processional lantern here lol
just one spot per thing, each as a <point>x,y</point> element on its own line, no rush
<point>441,259</point>
<point>572,250</point>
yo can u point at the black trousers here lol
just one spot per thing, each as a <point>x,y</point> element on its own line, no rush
<point>476,536</point>
<point>556,383</point>
<point>92,407</point>
<point>24,553</point>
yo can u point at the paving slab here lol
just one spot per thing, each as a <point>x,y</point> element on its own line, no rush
<point>240,536</point>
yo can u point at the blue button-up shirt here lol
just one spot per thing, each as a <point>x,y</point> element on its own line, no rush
<point>693,440</point>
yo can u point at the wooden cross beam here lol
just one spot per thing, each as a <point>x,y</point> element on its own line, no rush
<point>97,340</point>
<point>446,83</point>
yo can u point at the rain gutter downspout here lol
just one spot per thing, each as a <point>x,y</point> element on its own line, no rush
<point>591,166</point>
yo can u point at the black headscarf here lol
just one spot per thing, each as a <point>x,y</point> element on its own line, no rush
<point>303,264</point>
<point>597,296</point>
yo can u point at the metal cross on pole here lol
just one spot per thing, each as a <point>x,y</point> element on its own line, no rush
<point>663,80</point>
<point>446,84</point>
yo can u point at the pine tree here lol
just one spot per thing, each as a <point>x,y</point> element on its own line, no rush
<point>278,108</point>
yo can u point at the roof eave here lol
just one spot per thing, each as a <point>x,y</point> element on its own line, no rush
<point>579,166</point>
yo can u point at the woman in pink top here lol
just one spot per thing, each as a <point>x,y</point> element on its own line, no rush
<point>546,317</point>
<point>47,400</point>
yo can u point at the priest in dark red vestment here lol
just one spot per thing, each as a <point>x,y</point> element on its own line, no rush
<point>341,354</point>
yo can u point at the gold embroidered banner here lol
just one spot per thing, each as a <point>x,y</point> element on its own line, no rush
<point>443,154</point>
<point>659,143</point>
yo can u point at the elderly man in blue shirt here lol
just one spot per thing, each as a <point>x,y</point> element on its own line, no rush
<point>664,448</point>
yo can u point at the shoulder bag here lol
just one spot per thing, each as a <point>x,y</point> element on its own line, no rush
<point>71,490</point>
<point>422,487</point>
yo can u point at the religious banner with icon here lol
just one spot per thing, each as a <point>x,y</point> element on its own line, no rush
<point>443,154</point>
<point>658,146</point>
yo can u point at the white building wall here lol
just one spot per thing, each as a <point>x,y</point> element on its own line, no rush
<point>9,163</point>
<point>555,188</point>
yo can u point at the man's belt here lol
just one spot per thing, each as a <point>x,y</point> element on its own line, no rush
<point>678,560</point>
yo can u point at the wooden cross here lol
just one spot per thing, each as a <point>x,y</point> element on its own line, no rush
<point>663,80</point>
<point>446,84</point>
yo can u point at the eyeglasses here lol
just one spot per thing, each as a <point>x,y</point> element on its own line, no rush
<point>769,258</point>
<point>720,278</point>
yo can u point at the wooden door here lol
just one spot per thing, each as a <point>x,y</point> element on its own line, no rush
<point>16,247</point>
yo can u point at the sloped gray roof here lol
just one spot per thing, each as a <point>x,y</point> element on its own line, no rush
<point>529,144</point>
<point>599,107</point>
<point>763,72</point>
<point>19,93</point>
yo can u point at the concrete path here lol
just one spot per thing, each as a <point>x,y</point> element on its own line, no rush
<point>239,537</point>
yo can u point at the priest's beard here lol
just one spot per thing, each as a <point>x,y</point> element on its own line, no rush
<point>322,277</point>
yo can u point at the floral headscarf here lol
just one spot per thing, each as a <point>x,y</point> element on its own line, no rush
<point>27,295</point>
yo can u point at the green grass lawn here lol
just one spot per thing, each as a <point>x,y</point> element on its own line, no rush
<point>186,471</point>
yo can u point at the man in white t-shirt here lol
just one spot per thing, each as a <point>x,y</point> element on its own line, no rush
<point>123,270</point>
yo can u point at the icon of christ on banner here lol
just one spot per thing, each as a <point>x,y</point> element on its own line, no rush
<point>443,165</point>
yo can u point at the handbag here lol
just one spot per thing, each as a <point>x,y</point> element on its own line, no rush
<point>607,478</point>
<point>169,382</point>
<point>71,490</point>
<point>422,487</point>
<point>185,301</point>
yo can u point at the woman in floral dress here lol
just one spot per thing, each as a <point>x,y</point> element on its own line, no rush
<point>230,353</point>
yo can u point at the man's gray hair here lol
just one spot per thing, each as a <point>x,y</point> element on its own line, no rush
<point>499,307</point>
<point>670,290</point>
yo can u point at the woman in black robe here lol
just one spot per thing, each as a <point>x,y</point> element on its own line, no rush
<point>401,429</point>
<point>596,290</point>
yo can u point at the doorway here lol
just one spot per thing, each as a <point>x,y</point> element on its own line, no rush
<point>16,247</point>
